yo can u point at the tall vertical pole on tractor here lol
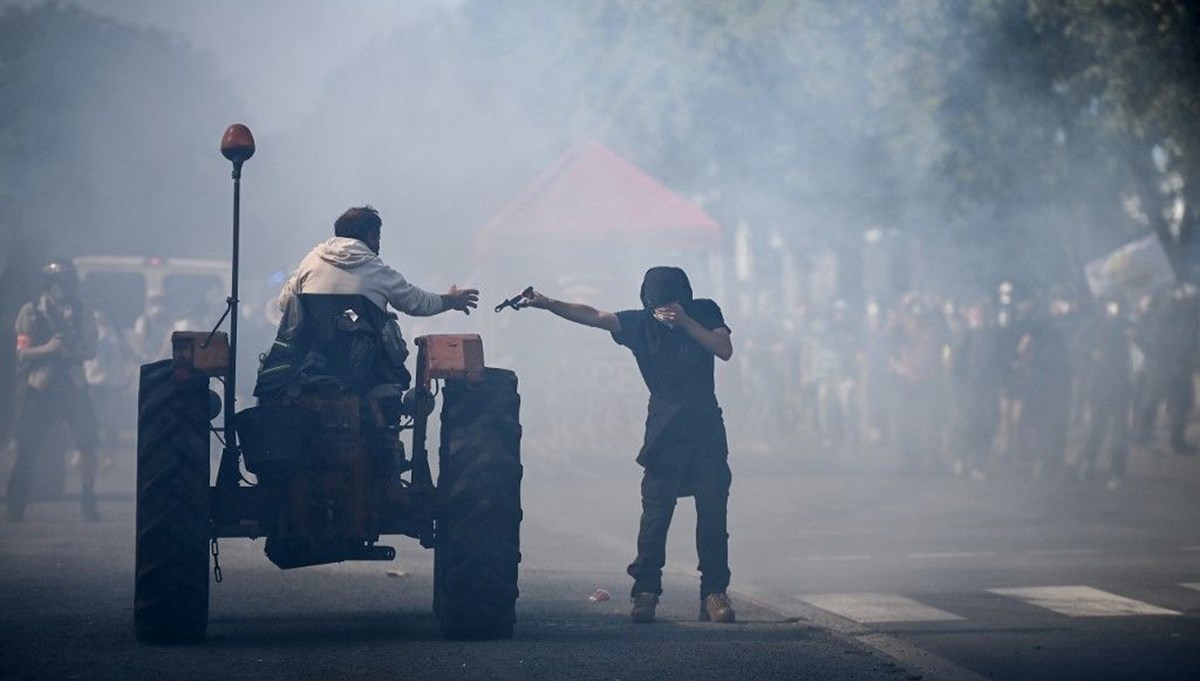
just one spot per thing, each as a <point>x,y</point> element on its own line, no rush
<point>237,145</point>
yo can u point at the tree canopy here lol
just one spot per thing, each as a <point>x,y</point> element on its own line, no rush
<point>1010,134</point>
<point>104,130</point>
<point>1014,137</point>
<point>1023,133</point>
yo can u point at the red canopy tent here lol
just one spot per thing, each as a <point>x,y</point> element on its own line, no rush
<point>585,231</point>
<point>591,196</point>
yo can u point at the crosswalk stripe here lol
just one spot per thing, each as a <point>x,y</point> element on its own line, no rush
<point>1063,552</point>
<point>1195,586</point>
<point>872,608</point>
<point>849,556</point>
<point>1082,601</point>
<point>934,555</point>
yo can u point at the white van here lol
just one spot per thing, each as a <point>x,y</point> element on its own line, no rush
<point>121,285</point>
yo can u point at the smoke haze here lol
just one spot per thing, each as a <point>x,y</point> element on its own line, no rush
<point>802,125</point>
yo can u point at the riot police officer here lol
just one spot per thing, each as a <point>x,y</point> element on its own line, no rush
<point>55,334</point>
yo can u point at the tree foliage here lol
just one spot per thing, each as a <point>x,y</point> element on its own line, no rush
<point>1016,131</point>
<point>1136,66</point>
<point>104,128</point>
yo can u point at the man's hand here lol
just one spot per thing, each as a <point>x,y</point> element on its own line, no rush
<point>460,299</point>
<point>715,341</point>
<point>54,345</point>
<point>672,314</point>
<point>572,312</point>
<point>535,299</point>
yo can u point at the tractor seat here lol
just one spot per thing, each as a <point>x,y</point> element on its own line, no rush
<point>333,342</point>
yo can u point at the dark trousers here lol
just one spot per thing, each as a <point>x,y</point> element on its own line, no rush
<point>978,417</point>
<point>916,409</point>
<point>36,413</point>
<point>661,487</point>
<point>1173,385</point>
<point>1046,423</point>
<point>1110,414</point>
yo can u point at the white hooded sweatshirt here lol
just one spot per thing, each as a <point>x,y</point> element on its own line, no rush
<point>343,265</point>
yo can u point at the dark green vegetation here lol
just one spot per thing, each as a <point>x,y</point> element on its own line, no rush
<point>1006,135</point>
<point>993,125</point>
<point>1002,128</point>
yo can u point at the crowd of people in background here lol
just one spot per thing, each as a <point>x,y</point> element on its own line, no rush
<point>1040,385</point>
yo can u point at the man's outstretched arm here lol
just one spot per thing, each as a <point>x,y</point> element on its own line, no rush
<point>575,312</point>
<point>415,301</point>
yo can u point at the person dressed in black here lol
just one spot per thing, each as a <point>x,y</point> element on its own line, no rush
<point>978,376</point>
<point>674,339</point>
<point>915,364</point>
<point>1169,338</point>
<point>55,334</point>
<point>1043,382</point>
<point>1107,392</point>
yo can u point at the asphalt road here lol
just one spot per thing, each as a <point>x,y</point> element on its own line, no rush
<point>1007,579</point>
<point>836,576</point>
<point>67,587</point>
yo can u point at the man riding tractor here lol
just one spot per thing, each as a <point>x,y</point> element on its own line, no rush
<point>318,468</point>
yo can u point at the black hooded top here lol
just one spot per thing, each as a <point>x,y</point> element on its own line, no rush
<point>677,370</point>
<point>674,366</point>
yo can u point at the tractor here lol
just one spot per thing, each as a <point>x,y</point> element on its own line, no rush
<point>318,468</point>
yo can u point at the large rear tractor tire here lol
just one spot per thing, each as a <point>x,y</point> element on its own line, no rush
<point>479,508</point>
<point>173,531</point>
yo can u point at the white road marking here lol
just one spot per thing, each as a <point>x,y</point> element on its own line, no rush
<point>1191,548</point>
<point>871,608</point>
<point>912,658</point>
<point>1194,586</point>
<point>852,556</point>
<point>1063,552</point>
<point>954,554</point>
<point>1083,601</point>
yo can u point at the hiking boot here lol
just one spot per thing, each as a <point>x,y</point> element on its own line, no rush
<point>643,607</point>
<point>716,608</point>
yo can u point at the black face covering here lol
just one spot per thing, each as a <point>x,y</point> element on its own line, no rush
<point>663,285</point>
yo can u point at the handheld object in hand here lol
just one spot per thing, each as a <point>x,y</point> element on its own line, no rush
<point>515,301</point>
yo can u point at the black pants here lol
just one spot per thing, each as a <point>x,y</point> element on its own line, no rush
<point>1110,414</point>
<point>1046,423</point>
<point>978,417</point>
<point>661,487</point>
<point>1173,385</point>
<point>916,410</point>
<point>36,413</point>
